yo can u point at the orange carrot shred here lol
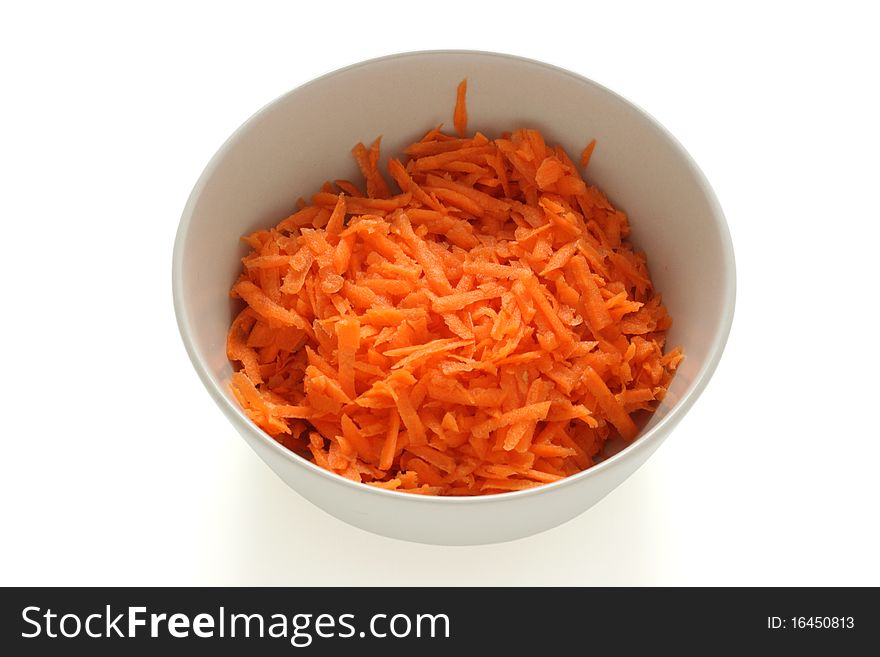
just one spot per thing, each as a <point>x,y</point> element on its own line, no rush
<point>334,224</point>
<point>587,153</point>
<point>460,116</point>
<point>389,447</point>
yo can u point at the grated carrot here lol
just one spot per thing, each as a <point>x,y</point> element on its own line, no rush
<point>485,330</point>
<point>587,153</point>
<point>459,116</point>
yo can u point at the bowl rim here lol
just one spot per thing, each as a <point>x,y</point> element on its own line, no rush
<point>644,441</point>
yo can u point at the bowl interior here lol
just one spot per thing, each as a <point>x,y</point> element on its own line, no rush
<point>293,145</point>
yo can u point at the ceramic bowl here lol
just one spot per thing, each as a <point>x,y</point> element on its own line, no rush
<point>288,148</point>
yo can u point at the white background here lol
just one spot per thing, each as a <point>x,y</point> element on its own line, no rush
<point>116,467</point>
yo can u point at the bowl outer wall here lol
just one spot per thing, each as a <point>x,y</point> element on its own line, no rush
<point>301,139</point>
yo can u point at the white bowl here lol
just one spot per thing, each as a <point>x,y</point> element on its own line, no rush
<point>303,138</point>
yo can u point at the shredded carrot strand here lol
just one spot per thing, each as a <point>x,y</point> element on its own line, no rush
<point>587,153</point>
<point>459,116</point>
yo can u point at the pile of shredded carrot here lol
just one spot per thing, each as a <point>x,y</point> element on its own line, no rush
<point>486,329</point>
